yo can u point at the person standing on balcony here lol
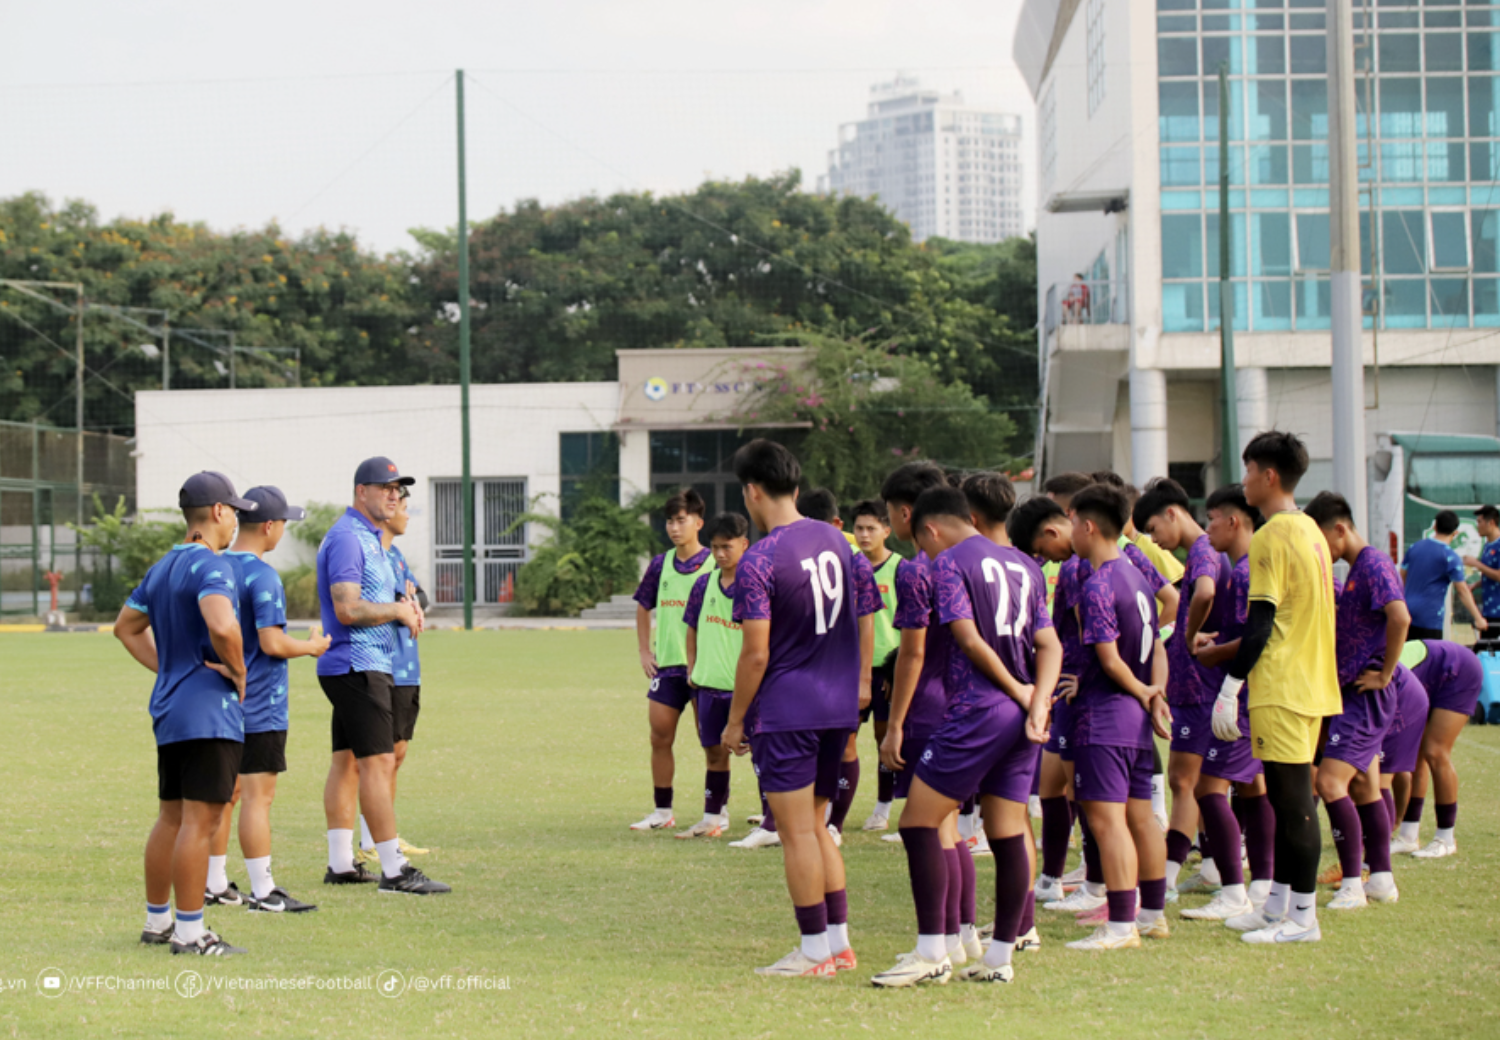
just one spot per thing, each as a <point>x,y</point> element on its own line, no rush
<point>1076,304</point>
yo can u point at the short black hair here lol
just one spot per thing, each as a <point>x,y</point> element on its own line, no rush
<point>195,515</point>
<point>1104,504</point>
<point>1028,518</point>
<point>1069,483</point>
<point>1329,507</point>
<point>906,483</point>
<point>990,494</point>
<point>769,465</point>
<point>726,525</point>
<point>939,502</point>
<point>684,500</point>
<point>873,507</point>
<point>1158,496</point>
<point>818,504</point>
<point>1446,522</point>
<point>1276,449</point>
<point>1489,513</point>
<point>1232,496</point>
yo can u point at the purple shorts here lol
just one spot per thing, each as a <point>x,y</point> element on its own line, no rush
<point>793,759</point>
<point>1453,677</point>
<point>1192,728</point>
<point>1102,773</point>
<point>1060,731</point>
<point>1356,735</point>
<point>672,690</point>
<point>982,751</point>
<point>713,715</point>
<point>1403,740</point>
<point>913,747</point>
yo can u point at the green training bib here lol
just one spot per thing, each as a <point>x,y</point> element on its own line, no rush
<point>671,600</point>
<point>719,639</point>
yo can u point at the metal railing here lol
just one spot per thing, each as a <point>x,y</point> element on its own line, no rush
<point>1089,302</point>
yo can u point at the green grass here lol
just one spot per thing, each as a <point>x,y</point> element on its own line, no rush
<point>529,762</point>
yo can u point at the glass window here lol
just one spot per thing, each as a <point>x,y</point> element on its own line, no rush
<point>1445,52</point>
<point>1179,111</point>
<point>1267,119</point>
<point>702,451</point>
<point>1450,240</point>
<point>1182,307</point>
<point>1313,250</point>
<point>666,451</point>
<point>1400,107</point>
<point>1487,302</point>
<point>1401,161</point>
<point>1180,167</point>
<point>1310,164</point>
<point>1266,22</point>
<point>1182,246</point>
<point>1445,160</point>
<point>1211,110</point>
<point>1405,303</point>
<point>1484,102</point>
<point>1220,49</point>
<point>1271,244</point>
<point>1177,57</point>
<point>1403,240</point>
<point>1450,303</point>
<point>1484,161</point>
<point>1309,109</point>
<point>1175,23</point>
<point>1445,107</point>
<point>1237,244</point>
<point>1236,165</point>
<point>1273,305</point>
<point>1175,5</point>
<point>1268,164</point>
<point>1486,228</point>
<point>1309,55</point>
<point>1399,52</point>
<point>1484,56</point>
<point>1241,305</point>
<point>1310,298</point>
<point>1266,55</point>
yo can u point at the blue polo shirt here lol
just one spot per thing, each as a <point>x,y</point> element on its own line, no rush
<point>262,605</point>
<point>1430,568</point>
<point>1489,588</point>
<point>406,670</point>
<point>190,701</point>
<point>351,552</point>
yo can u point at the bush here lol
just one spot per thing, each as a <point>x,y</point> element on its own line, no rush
<point>301,592</point>
<point>320,517</point>
<point>596,554</point>
<point>134,543</point>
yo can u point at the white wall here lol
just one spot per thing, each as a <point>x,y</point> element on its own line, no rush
<point>308,442</point>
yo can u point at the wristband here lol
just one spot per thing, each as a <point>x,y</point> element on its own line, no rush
<point>1231,686</point>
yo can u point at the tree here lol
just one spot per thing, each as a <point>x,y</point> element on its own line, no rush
<point>135,543</point>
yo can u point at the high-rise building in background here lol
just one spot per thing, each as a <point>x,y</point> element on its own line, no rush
<point>945,168</point>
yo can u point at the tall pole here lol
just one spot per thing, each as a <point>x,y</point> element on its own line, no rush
<point>1348,372</point>
<point>463,360</point>
<point>1229,435</point>
<point>78,424</point>
<point>166,352</point>
<point>231,360</point>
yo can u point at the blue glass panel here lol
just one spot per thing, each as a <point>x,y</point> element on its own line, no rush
<point>1484,161</point>
<point>1267,116</point>
<point>1445,160</point>
<point>1401,161</point>
<point>1178,111</point>
<point>1484,104</point>
<point>1271,244</point>
<point>1182,307</point>
<point>1439,196</point>
<point>1484,54</point>
<point>1273,305</point>
<point>1309,55</point>
<point>1399,52</point>
<point>1268,164</point>
<point>1241,306</point>
<point>1403,236</point>
<point>1311,299</point>
<point>1309,109</point>
<point>1487,302</point>
<point>1313,248</point>
<point>1445,52</point>
<point>1310,164</point>
<point>1450,303</point>
<point>1266,55</point>
<point>1211,110</point>
<point>1176,23</point>
<point>1310,197</point>
<point>1445,106</point>
<point>1268,198</point>
<point>1181,167</point>
<point>1237,244</point>
<point>1236,165</point>
<point>1400,107</point>
<point>1401,196</point>
<point>1177,57</point>
<point>1405,303</point>
<point>1180,200</point>
<point>1181,246</point>
<point>1219,49</point>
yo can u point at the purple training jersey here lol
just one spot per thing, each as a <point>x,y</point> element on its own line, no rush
<point>1117,607</point>
<point>1372,584</point>
<point>1065,599</point>
<point>1003,592</point>
<point>804,580</point>
<point>1187,681</point>
<point>917,608</point>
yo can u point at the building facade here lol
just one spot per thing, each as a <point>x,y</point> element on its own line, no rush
<point>945,168</point>
<point>1128,224</point>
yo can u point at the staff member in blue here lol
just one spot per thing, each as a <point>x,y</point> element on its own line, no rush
<point>182,623</point>
<point>359,600</point>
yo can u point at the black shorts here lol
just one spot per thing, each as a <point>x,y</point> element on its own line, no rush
<point>362,719</point>
<point>197,770</point>
<point>264,752</point>
<point>406,705</point>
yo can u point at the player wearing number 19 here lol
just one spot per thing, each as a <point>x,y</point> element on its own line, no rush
<point>805,611</point>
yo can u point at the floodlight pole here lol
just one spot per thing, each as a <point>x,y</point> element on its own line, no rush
<point>1348,370</point>
<point>463,359</point>
<point>1229,453</point>
<point>78,441</point>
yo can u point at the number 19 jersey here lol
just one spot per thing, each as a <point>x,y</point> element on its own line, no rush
<point>805,580</point>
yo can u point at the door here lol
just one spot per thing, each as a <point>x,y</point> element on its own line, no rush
<point>500,547</point>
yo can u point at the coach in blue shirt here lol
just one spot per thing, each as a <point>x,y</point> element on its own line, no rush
<point>1487,563</point>
<point>181,622</point>
<point>1429,569</point>
<point>359,600</point>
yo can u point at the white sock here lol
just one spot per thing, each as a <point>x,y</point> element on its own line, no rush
<point>711,818</point>
<point>1159,793</point>
<point>189,927</point>
<point>1409,831</point>
<point>1094,888</point>
<point>932,948</point>
<point>1234,893</point>
<point>967,933</point>
<point>391,860</point>
<point>952,943</point>
<point>1276,902</point>
<point>365,841</point>
<point>1119,929</point>
<point>1381,882</point>
<point>340,850</point>
<point>815,947</point>
<point>218,877</point>
<point>1303,909</point>
<point>883,809</point>
<point>1352,884</point>
<point>838,938</point>
<point>158,917</point>
<point>1259,891</point>
<point>1147,918</point>
<point>261,881</point>
<point>1173,870</point>
<point>999,953</point>
<point>1210,871</point>
<point>1444,835</point>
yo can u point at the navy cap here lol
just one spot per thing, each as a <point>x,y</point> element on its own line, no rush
<point>210,489</point>
<point>380,470</point>
<point>272,505</point>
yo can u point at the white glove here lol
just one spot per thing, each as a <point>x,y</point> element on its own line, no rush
<point>1226,716</point>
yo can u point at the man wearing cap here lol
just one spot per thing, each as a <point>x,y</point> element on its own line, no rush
<point>262,608</point>
<point>359,600</point>
<point>181,623</point>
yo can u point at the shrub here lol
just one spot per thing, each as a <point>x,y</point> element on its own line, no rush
<point>132,543</point>
<point>301,592</point>
<point>592,556</point>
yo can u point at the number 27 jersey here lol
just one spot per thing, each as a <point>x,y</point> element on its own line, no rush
<point>813,588</point>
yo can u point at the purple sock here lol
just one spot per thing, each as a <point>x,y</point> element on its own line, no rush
<point>1377,836</point>
<point>1348,835</point>
<point>1260,837</point>
<point>838,906</point>
<point>848,784</point>
<point>1413,809</point>
<point>1121,906</point>
<point>1154,894</point>
<point>885,786</point>
<point>952,906</point>
<point>1093,869</point>
<point>929,877</point>
<point>1012,884</point>
<point>1447,815</point>
<point>715,792</point>
<point>1178,846</point>
<point>1028,915</point>
<point>1223,839</point>
<point>812,920</point>
<point>966,881</point>
<point>1057,824</point>
<point>663,797</point>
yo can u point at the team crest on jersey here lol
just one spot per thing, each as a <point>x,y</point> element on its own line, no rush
<point>927,755</point>
<point>1334,739</point>
<point>1185,731</point>
<point>1213,753</point>
<point>655,685</point>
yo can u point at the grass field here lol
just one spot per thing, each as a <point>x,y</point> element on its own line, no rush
<point>529,762</point>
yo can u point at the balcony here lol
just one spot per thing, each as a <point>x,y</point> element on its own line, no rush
<point>1085,353</point>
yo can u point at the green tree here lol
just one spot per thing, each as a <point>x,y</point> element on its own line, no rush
<point>592,556</point>
<point>314,528</point>
<point>132,543</point>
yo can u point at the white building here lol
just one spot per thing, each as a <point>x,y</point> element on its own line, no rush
<point>945,168</point>
<point>1127,100</point>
